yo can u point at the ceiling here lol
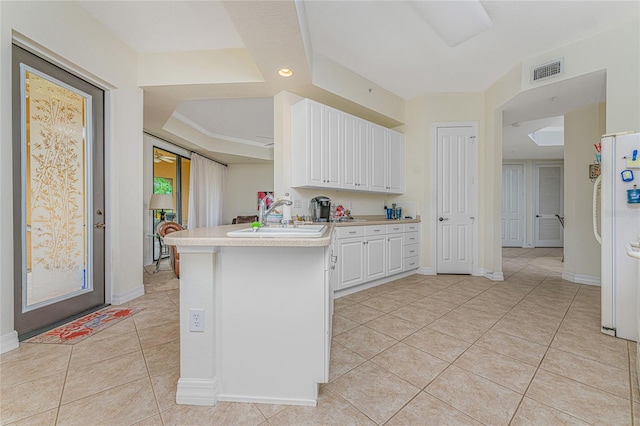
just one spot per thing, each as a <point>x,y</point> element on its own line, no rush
<point>393,44</point>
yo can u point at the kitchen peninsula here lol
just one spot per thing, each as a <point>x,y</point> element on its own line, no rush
<point>255,316</point>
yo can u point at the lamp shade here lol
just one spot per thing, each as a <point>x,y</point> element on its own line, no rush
<point>161,202</point>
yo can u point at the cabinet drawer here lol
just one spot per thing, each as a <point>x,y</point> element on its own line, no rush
<point>411,227</point>
<point>410,238</point>
<point>375,230</point>
<point>395,229</point>
<point>410,250</point>
<point>350,231</point>
<point>411,263</point>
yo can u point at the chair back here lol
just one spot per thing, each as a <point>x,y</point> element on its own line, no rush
<point>165,228</point>
<point>245,219</point>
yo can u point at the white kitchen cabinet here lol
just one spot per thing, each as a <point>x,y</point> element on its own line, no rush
<point>395,254</point>
<point>355,167</point>
<point>350,262</point>
<point>387,160</point>
<point>332,145</point>
<point>333,149</point>
<point>410,246</point>
<point>395,162</point>
<point>395,228</point>
<point>378,152</point>
<point>367,253</point>
<point>317,134</point>
<point>375,247</point>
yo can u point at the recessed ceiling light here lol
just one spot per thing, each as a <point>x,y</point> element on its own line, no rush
<point>285,72</point>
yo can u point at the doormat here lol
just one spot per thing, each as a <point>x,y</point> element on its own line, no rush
<point>83,327</point>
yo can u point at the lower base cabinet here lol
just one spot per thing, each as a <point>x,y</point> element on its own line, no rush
<point>367,253</point>
<point>350,264</point>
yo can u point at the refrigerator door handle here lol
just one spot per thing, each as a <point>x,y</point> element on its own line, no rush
<point>596,186</point>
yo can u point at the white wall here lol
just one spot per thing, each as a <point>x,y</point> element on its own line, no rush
<point>66,34</point>
<point>583,128</point>
<point>242,184</point>
<point>618,52</point>
<point>420,166</point>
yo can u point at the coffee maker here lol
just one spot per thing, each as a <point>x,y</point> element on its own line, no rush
<point>320,209</point>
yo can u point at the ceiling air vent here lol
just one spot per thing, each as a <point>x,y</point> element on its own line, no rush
<point>547,70</point>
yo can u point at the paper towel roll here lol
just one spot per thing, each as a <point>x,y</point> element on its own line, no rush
<point>286,210</point>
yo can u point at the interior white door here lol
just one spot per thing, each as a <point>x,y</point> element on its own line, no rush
<point>456,199</point>
<point>513,205</point>
<point>548,204</point>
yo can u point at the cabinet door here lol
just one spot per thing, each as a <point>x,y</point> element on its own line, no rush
<point>375,255</point>
<point>351,153</point>
<point>378,154</point>
<point>395,164</point>
<point>362,156</point>
<point>332,141</point>
<point>394,254</point>
<point>350,262</point>
<point>315,133</point>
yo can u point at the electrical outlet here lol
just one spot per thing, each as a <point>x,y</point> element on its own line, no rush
<point>350,203</point>
<point>196,320</point>
<point>297,204</point>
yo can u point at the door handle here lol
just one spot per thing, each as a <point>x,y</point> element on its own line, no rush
<point>100,225</point>
<point>441,219</point>
<point>538,215</point>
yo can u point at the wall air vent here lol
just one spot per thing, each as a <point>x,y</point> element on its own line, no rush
<point>548,70</point>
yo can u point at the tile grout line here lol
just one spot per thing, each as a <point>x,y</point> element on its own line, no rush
<point>64,384</point>
<point>462,353</point>
<point>542,360</point>
<point>540,282</point>
<point>146,366</point>
<point>470,372</point>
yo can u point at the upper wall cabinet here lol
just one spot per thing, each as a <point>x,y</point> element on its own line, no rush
<point>333,149</point>
<point>316,145</point>
<point>355,170</point>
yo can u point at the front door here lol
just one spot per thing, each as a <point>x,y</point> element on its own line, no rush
<point>549,206</point>
<point>456,199</point>
<point>58,201</point>
<point>513,213</point>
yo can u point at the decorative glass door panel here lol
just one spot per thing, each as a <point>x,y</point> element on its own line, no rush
<point>55,255</point>
<point>58,202</point>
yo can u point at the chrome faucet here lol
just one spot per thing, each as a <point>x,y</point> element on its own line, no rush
<point>263,212</point>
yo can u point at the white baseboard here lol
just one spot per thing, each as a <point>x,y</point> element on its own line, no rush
<point>9,342</point>
<point>259,400</point>
<point>425,270</point>
<point>197,392</point>
<point>581,279</point>
<point>493,276</point>
<point>127,295</point>
<point>356,288</point>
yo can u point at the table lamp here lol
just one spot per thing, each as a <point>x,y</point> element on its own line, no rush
<point>161,202</point>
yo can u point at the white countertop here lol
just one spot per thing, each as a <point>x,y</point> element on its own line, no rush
<point>217,235</point>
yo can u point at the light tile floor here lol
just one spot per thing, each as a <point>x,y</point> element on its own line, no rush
<point>423,350</point>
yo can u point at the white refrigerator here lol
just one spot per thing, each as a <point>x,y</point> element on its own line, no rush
<point>619,214</point>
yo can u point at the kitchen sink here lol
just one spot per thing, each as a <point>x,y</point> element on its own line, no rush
<point>303,231</point>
